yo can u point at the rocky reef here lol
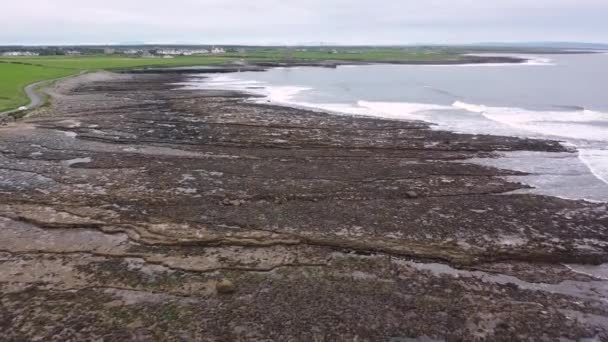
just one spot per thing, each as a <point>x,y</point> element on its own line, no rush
<point>134,210</point>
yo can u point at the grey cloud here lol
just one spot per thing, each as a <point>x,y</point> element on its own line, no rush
<point>289,22</point>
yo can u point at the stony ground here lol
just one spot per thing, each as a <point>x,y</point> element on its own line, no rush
<point>132,211</point>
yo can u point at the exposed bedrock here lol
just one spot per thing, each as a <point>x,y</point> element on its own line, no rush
<point>131,210</point>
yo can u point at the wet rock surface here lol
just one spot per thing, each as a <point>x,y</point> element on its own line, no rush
<point>130,210</point>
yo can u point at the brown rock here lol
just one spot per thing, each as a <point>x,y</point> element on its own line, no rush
<point>411,194</point>
<point>233,203</point>
<point>225,286</point>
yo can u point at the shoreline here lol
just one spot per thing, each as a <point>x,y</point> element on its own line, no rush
<point>179,209</point>
<point>569,146</point>
<point>36,101</point>
<point>260,97</point>
<point>263,66</point>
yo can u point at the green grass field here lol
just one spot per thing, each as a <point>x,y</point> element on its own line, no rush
<point>17,72</point>
<point>14,78</point>
<point>386,54</point>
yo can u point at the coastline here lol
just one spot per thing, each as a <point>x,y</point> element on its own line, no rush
<point>186,207</point>
<point>263,66</point>
<point>37,101</point>
<point>283,95</point>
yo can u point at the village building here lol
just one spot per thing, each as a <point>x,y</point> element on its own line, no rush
<point>169,52</point>
<point>19,53</point>
<point>132,52</point>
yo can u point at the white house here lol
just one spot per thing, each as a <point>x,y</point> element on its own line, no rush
<point>19,53</point>
<point>169,52</point>
<point>217,50</point>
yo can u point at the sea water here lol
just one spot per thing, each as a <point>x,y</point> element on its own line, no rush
<point>561,97</point>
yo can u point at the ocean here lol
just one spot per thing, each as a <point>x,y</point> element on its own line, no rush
<point>560,97</point>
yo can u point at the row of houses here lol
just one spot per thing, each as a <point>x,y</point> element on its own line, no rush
<point>169,52</point>
<point>136,52</point>
<point>187,52</point>
<point>19,53</point>
<point>31,53</point>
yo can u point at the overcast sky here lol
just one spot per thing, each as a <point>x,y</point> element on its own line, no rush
<point>302,21</point>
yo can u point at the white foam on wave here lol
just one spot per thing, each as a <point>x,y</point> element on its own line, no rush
<point>400,110</point>
<point>274,94</point>
<point>555,174</point>
<point>388,110</point>
<point>539,61</point>
<point>597,162</point>
<point>221,82</point>
<point>522,115</point>
<point>580,128</point>
<point>284,94</point>
<point>338,108</point>
<point>443,117</point>
<point>528,60</point>
<point>579,124</point>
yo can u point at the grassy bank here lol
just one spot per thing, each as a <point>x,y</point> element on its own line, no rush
<point>15,77</point>
<point>18,72</point>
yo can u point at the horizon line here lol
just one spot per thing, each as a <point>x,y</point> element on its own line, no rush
<point>319,44</point>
